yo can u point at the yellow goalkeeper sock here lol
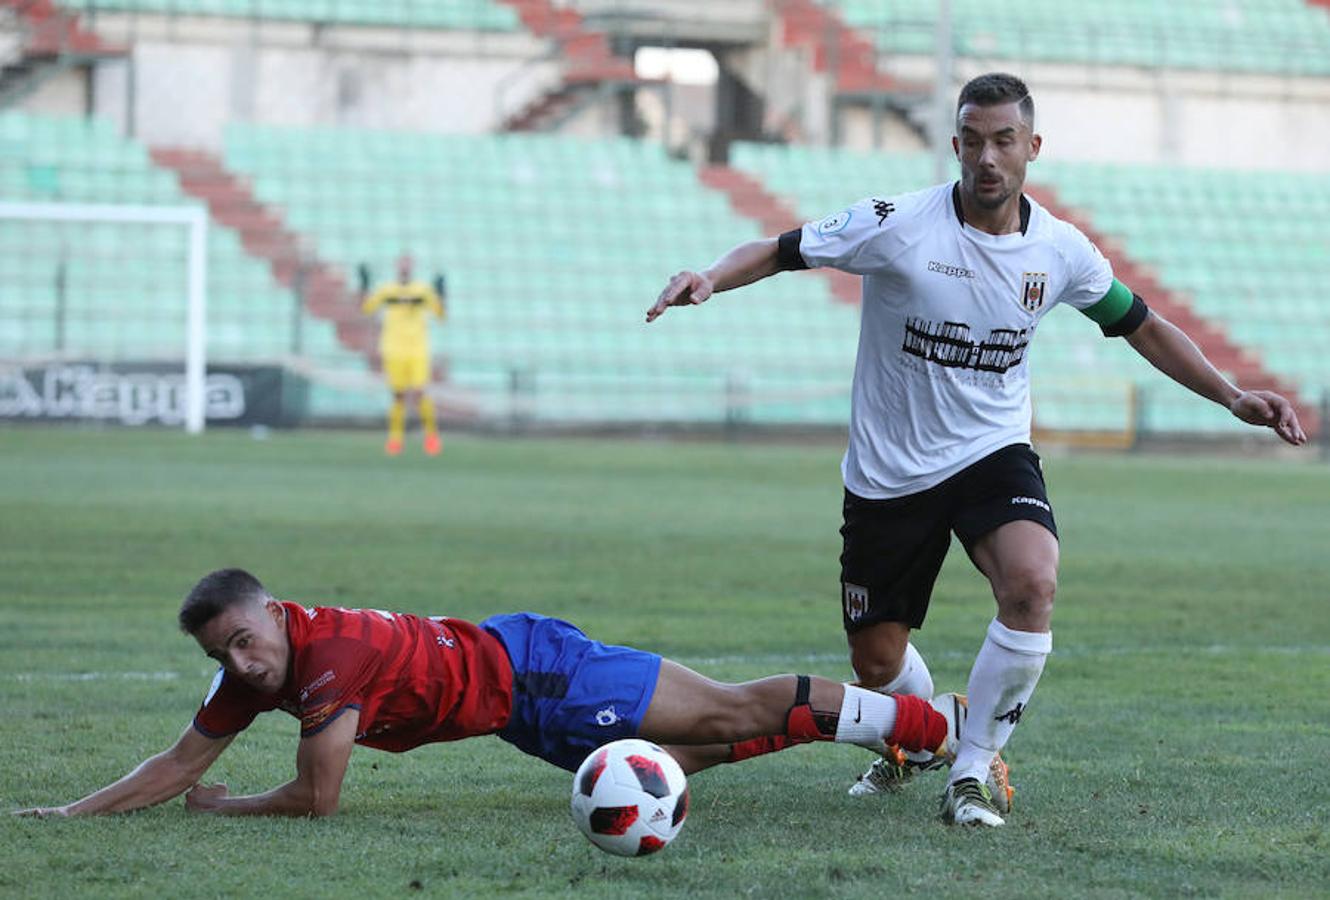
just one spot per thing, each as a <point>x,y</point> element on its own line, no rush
<point>427,415</point>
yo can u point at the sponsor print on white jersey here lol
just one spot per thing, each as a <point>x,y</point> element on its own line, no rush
<point>941,379</point>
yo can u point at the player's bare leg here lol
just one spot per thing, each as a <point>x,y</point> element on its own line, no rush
<point>1020,560</point>
<point>772,713</point>
<point>877,653</point>
<point>695,758</point>
<point>885,661</point>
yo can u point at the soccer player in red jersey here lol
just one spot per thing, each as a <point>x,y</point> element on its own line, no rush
<point>395,681</point>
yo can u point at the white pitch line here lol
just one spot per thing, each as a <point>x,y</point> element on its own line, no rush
<point>791,659</point>
<point>1058,652</point>
<point>98,676</point>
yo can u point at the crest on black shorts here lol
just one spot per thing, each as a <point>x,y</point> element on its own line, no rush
<point>1032,291</point>
<point>855,599</point>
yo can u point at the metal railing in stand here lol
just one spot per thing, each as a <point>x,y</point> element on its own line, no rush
<point>526,74</point>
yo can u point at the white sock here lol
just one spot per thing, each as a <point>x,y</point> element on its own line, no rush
<point>1003,678</point>
<point>914,677</point>
<point>866,718</point>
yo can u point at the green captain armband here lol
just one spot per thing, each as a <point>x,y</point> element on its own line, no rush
<point>1119,312</point>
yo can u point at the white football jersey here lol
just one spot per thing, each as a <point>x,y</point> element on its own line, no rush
<point>941,379</point>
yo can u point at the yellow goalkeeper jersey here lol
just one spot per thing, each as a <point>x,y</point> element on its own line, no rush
<point>406,317</point>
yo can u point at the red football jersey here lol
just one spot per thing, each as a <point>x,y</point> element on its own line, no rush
<point>414,680</point>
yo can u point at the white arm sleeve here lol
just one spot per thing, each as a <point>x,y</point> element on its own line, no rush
<point>1089,275</point>
<point>856,240</point>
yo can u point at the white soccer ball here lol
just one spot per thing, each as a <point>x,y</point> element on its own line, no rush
<point>630,797</point>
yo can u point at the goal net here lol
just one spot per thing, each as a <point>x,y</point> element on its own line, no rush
<point>103,312</point>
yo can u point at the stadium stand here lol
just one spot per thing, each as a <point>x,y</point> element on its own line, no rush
<point>1282,36</point>
<point>554,245</point>
<point>553,248</point>
<point>125,284</point>
<point>1249,248</point>
<point>1087,383</point>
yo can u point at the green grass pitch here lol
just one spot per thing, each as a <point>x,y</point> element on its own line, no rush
<point>1176,746</point>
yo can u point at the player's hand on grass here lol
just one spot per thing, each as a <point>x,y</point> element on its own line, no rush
<point>684,289</point>
<point>43,812</point>
<point>205,797</point>
<point>1272,410</point>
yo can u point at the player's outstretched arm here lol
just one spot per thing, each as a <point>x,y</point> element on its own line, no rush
<point>321,764</point>
<point>155,780</point>
<point>1170,351</point>
<point>745,264</point>
<point>370,299</point>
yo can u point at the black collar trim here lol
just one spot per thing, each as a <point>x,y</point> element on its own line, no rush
<point>960,216</point>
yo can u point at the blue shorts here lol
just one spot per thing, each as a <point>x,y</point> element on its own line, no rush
<point>570,694</point>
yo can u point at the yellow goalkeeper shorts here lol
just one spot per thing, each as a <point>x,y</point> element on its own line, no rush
<point>406,373</point>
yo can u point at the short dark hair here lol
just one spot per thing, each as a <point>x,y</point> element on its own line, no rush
<point>996,88</point>
<point>218,591</point>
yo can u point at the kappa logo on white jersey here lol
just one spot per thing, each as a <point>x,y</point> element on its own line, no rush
<point>855,599</point>
<point>1033,289</point>
<point>835,224</point>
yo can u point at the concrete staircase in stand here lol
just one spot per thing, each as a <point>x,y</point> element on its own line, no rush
<point>586,57</point>
<point>264,235</point>
<point>837,48</point>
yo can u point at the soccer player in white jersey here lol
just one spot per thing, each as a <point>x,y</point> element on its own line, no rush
<point>956,278</point>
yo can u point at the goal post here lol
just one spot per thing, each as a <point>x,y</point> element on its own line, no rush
<point>193,218</point>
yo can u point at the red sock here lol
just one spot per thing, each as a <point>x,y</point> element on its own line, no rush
<point>802,726</point>
<point>741,750</point>
<point>918,725</point>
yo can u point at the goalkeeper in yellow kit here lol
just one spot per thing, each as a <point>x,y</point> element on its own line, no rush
<point>404,347</point>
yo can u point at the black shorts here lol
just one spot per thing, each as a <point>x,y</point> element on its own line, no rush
<point>894,548</point>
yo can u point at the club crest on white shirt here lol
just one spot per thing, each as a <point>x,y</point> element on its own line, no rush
<point>834,224</point>
<point>1032,291</point>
